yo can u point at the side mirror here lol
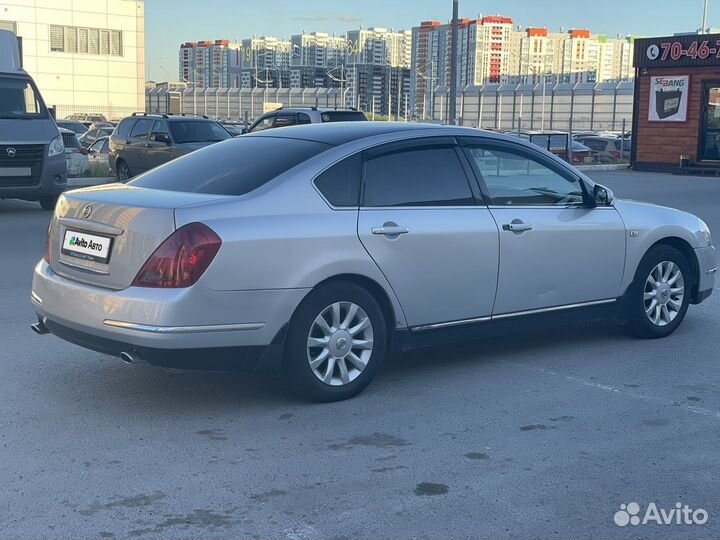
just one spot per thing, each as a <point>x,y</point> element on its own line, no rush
<point>602,196</point>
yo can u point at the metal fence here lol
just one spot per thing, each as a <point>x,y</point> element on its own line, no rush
<point>582,106</point>
<point>563,107</point>
<point>239,103</point>
<point>110,113</point>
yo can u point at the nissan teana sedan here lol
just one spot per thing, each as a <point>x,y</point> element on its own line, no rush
<point>312,251</point>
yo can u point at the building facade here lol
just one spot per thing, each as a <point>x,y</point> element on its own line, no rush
<point>209,64</point>
<point>86,57</point>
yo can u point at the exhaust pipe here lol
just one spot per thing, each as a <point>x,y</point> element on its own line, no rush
<point>39,328</point>
<point>130,357</point>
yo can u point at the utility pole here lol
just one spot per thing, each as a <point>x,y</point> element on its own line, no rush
<point>704,28</point>
<point>453,65</point>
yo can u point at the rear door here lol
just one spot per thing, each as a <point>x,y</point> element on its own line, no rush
<point>134,153</point>
<point>421,223</point>
<point>554,249</point>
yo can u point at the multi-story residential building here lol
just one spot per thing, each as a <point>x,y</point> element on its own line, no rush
<point>206,64</point>
<point>378,89</point>
<point>580,57</point>
<point>492,50</point>
<point>616,58</point>
<point>429,60</point>
<point>84,56</point>
<point>318,49</point>
<point>264,63</point>
<point>379,46</point>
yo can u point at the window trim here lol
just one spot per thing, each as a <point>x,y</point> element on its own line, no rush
<point>429,141</point>
<point>529,153</point>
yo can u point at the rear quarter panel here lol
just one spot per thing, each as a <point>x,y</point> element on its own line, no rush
<point>284,236</point>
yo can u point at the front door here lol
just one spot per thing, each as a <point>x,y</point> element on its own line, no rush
<point>554,249</point>
<point>422,225</point>
<point>710,123</point>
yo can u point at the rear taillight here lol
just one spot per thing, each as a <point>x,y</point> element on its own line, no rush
<point>181,259</point>
<point>615,154</point>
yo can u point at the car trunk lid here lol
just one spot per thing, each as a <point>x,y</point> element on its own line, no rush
<point>103,235</point>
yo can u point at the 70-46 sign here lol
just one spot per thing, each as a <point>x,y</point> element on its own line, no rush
<point>676,51</point>
<point>679,51</point>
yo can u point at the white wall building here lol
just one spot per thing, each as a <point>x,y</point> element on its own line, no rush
<point>85,56</point>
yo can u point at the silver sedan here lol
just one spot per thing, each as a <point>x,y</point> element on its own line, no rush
<point>312,251</point>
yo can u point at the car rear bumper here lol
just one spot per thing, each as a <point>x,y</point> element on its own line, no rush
<point>707,266</point>
<point>179,328</point>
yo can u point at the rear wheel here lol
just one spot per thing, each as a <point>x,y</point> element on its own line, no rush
<point>123,171</point>
<point>48,203</point>
<point>660,295</point>
<point>336,342</point>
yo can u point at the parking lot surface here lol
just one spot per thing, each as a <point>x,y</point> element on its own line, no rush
<point>536,436</point>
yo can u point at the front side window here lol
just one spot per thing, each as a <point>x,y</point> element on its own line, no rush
<point>141,129</point>
<point>197,131</point>
<point>418,174</point>
<point>96,147</point>
<point>284,120</point>
<point>18,99</point>
<point>515,178</point>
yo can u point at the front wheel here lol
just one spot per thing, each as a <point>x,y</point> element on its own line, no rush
<point>660,294</point>
<point>48,203</point>
<point>123,171</point>
<point>336,343</point>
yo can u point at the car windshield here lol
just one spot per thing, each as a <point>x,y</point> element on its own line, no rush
<point>197,131</point>
<point>235,167</point>
<point>77,127</point>
<point>19,99</point>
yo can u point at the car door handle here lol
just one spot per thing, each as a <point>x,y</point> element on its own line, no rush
<point>390,230</point>
<point>517,227</point>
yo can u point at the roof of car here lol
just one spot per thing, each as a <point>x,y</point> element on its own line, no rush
<point>337,133</point>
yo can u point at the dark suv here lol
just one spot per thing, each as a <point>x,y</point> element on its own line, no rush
<point>143,141</point>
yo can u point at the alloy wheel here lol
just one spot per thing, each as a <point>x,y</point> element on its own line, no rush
<point>664,293</point>
<point>340,343</point>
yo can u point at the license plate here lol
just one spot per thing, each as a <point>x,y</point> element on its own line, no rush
<point>86,246</point>
<point>15,171</point>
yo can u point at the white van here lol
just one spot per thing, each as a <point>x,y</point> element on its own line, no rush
<point>32,154</point>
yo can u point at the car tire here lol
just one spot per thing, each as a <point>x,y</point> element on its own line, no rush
<point>48,203</point>
<point>123,171</point>
<point>337,359</point>
<point>659,296</point>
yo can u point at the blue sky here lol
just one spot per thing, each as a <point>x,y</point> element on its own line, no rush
<point>171,22</point>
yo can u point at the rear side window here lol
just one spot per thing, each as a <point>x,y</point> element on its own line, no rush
<point>141,128</point>
<point>304,118</point>
<point>343,116</point>
<point>233,167</point>
<point>340,184</point>
<point>123,129</point>
<point>420,175</point>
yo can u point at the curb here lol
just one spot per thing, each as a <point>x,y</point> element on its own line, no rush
<point>604,167</point>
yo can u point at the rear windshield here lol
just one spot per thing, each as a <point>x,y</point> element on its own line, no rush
<point>343,116</point>
<point>196,131</point>
<point>234,167</point>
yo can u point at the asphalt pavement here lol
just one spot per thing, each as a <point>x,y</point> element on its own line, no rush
<point>538,436</point>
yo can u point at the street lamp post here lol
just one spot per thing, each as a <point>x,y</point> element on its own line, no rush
<point>453,65</point>
<point>704,28</point>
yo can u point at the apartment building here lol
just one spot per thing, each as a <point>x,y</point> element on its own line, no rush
<point>318,49</point>
<point>208,64</point>
<point>380,46</point>
<point>264,63</point>
<point>84,56</point>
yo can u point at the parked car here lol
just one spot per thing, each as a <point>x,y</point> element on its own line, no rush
<point>32,155</point>
<point>583,155</point>
<point>98,155</point>
<point>143,141</point>
<point>106,125</point>
<point>304,115</point>
<point>608,148</point>
<point>88,118</point>
<point>73,125</point>
<point>76,157</point>
<point>234,128</point>
<point>93,135</point>
<point>313,251</point>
